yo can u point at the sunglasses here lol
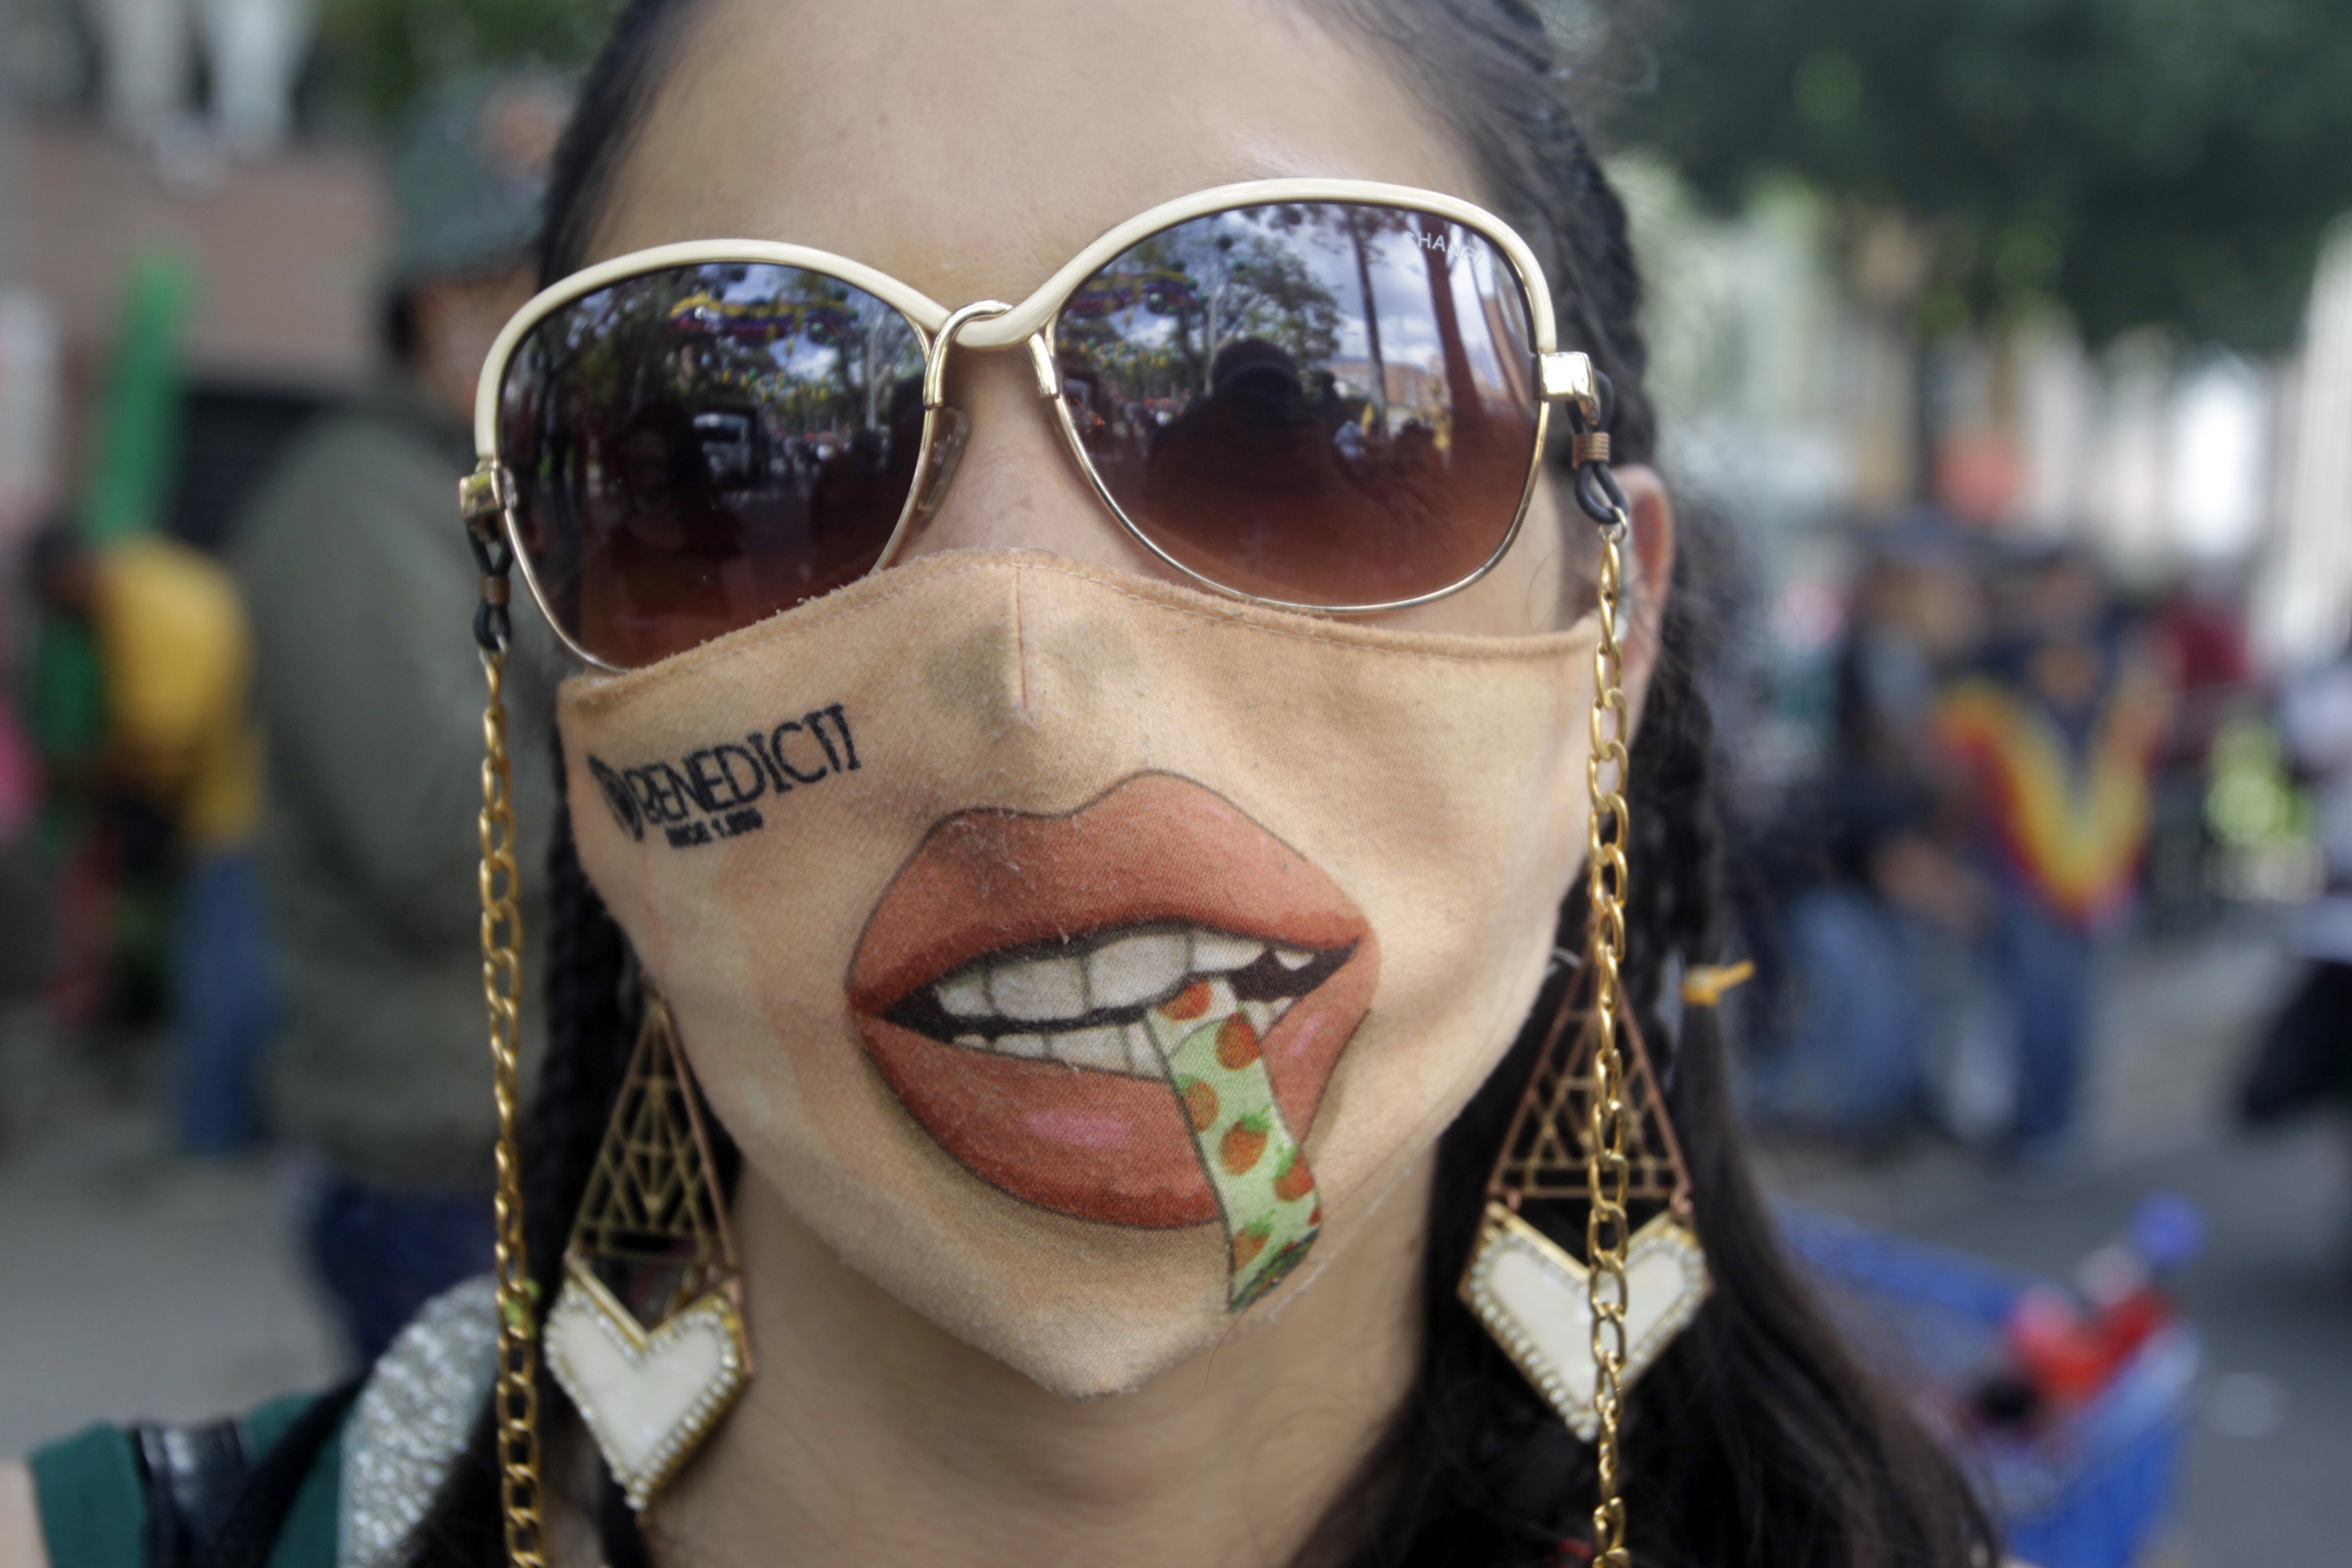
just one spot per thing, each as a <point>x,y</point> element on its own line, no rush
<point>1321,395</point>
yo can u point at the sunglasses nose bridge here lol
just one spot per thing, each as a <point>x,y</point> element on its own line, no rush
<point>935,363</point>
<point>946,429</point>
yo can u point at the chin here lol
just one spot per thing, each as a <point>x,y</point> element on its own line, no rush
<point>1082,1310</point>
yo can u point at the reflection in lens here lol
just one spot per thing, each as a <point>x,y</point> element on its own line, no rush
<point>696,449</point>
<point>1326,403</point>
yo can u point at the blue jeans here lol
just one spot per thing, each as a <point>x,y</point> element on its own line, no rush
<point>224,999</point>
<point>2049,967</point>
<point>1850,1062</point>
<point>383,1255</point>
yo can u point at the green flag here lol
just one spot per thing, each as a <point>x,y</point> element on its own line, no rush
<point>139,422</point>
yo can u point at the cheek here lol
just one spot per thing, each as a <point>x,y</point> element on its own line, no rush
<point>751,946</point>
<point>1464,960</point>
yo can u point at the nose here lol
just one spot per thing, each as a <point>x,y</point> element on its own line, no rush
<point>1017,485</point>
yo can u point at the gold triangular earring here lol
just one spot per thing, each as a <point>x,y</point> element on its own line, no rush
<point>647,1334</point>
<point>1530,1293</point>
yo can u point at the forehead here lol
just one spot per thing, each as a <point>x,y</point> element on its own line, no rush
<point>969,147</point>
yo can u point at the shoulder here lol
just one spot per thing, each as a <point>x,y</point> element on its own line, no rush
<point>334,1480</point>
<point>414,1420</point>
<point>155,1496</point>
<point>347,471</point>
<point>385,424</point>
<point>1973,713</point>
<point>157,575</point>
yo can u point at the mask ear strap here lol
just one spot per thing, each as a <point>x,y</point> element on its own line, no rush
<point>515,1399</point>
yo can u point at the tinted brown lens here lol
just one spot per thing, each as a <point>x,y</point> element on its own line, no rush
<point>1325,403</point>
<point>696,449</point>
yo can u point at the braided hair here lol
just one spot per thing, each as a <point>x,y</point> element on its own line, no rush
<point>1754,1438</point>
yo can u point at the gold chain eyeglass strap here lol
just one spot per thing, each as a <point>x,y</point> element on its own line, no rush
<point>1605,1223</point>
<point>516,1395</point>
<point>1606,1163</point>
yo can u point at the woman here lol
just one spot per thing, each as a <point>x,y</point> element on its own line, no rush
<point>949,873</point>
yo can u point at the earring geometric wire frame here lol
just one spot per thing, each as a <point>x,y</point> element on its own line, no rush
<point>1543,1155</point>
<point>1530,1293</point>
<point>646,1335</point>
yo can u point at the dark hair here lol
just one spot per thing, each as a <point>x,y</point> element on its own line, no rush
<point>1756,1437</point>
<point>397,330</point>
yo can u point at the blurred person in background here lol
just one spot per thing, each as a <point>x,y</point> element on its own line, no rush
<point>179,750</point>
<point>357,577</point>
<point>2057,736</point>
<point>2306,1058</point>
<point>1884,892</point>
<point>2198,635</point>
<point>25,946</point>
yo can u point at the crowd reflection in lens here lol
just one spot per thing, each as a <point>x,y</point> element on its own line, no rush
<point>697,447</point>
<point>1341,384</point>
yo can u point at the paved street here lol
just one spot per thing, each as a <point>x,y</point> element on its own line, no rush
<point>138,1283</point>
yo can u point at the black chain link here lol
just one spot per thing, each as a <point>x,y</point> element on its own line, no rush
<point>494,557</point>
<point>1597,490</point>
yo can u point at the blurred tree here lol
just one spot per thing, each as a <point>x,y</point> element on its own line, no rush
<point>383,52</point>
<point>2142,162</point>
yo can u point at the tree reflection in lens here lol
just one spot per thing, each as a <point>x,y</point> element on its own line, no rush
<point>1324,402</point>
<point>698,447</point>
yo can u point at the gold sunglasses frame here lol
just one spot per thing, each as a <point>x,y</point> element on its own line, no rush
<point>992,324</point>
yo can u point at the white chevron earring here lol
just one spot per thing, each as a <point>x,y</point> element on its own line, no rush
<point>646,1335</point>
<point>1534,1296</point>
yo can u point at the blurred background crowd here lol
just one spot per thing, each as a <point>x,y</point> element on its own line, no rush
<point>2004,352</point>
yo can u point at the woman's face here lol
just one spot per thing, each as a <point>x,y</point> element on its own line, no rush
<point>1115,946</point>
<point>970,149</point>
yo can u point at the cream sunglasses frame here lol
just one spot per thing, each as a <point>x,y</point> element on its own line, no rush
<point>991,324</point>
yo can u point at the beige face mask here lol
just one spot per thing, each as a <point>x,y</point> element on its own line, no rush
<point>1079,955</point>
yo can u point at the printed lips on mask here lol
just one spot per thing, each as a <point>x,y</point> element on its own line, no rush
<point>707,794</point>
<point>1088,1032</point>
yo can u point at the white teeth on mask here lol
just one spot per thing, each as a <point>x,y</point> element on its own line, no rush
<point>1142,1055</point>
<point>1214,953</point>
<point>1133,970</point>
<point>1103,1049</point>
<point>1130,969</point>
<point>1038,990</point>
<point>1264,1015</point>
<point>964,994</point>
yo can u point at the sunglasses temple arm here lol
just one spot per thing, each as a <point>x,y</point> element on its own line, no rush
<point>1572,378</point>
